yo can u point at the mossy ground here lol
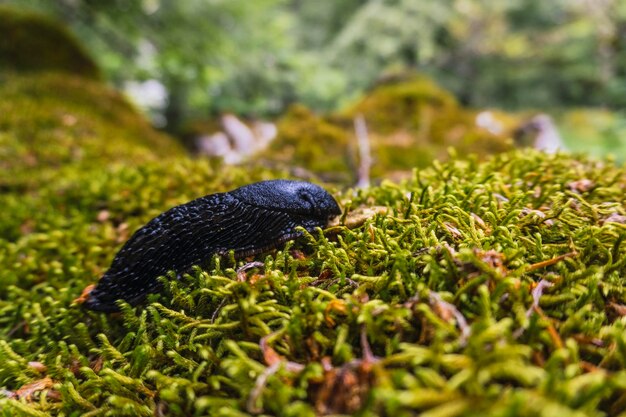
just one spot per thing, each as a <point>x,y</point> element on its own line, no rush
<point>491,288</point>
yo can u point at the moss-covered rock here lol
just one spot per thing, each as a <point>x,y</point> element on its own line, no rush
<point>51,123</point>
<point>313,142</point>
<point>32,42</point>
<point>403,103</point>
<point>493,288</point>
<point>411,122</point>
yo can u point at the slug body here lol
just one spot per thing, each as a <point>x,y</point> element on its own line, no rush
<point>249,220</point>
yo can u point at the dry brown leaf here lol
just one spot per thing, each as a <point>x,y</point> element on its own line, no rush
<point>334,305</point>
<point>96,365</point>
<point>84,296</point>
<point>619,309</point>
<point>614,218</point>
<point>27,391</point>
<point>456,233</point>
<point>358,216</point>
<point>581,186</point>
<point>297,254</point>
<point>123,233</point>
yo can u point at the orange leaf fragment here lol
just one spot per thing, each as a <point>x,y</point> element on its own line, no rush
<point>27,391</point>
<point>84,296</point>
<point>270,356</point>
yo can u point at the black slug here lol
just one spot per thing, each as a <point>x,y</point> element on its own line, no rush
<point>249,220</point>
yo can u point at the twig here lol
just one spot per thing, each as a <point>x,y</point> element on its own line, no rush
<point>549,262</point>
<point>274,360</point>
<point>241,271</point>
<point>554,335</point>
<point>258,387</point>
<point>218,309</point>
<point>537,292</point>
<point>451,309</point>
<point>368,355</point>
<point>365,156</point>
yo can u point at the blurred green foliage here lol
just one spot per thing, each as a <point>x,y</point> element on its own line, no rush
<point>314,142</point>
<point>257,58</point>
<point>596,132</point>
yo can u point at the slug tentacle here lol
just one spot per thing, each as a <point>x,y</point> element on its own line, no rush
<point>249,220</point>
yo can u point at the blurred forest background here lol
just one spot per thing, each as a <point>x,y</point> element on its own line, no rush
<point>195,59</point>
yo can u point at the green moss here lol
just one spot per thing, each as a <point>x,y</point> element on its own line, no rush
<point>53,123</point>
<point>405,103</point>
<point>33,43</point>
<point>311,141</point>
<point>411,121</point>
<point>462,242</point>
<point>488,288</point>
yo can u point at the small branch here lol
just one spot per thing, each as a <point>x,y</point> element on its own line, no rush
<point>241,271</point>
<point>275,361</point>
<point>368,355</point>
<point>218,309</point>
<point>554,334</point>
<point>537,292</point>
<point>365,156</point>
<point>258,387</point>
<point>449,308</point>
<point>549,262</point>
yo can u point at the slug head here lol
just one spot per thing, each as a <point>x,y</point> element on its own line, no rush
<point>293,197</point>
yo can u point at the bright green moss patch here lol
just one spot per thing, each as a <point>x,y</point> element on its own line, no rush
<point>492,288</point>
<point>32,42</point>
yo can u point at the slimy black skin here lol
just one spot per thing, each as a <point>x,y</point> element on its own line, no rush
<point>249,220</point>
